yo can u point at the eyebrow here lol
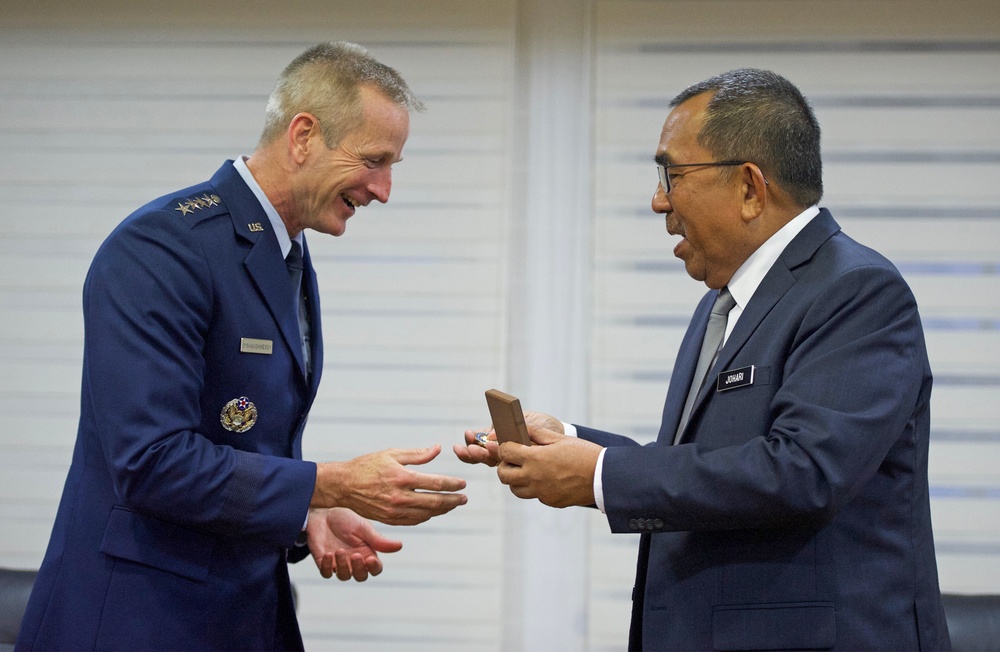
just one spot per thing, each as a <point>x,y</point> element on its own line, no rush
<point>382,156</point>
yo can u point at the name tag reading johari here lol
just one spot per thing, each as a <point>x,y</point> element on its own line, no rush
<point>733,378</point>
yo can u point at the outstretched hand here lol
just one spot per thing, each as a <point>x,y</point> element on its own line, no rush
<point>342,542</point>
<point>380,487</point>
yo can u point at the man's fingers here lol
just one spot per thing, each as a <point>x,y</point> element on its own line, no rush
<point>510,474</point>
<point>358,567</point>
<point>435,503</point>
<point>422,506</point>
<point>543,436</point>
<point>475,454</point>
<point>325,565</point>
<point>523,492</point>
<point>415,455</point>
<point>437,483</point>
<point>343,566</point>
<point>512,452</point>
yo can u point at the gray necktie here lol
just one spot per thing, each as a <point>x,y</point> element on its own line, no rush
<point>709,352</point>
<point>294,263</point>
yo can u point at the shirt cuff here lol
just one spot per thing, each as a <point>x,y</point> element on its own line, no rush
<point>598,486</point>
<point>303,537</point>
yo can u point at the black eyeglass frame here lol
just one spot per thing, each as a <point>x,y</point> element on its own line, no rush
<point>661,169</point>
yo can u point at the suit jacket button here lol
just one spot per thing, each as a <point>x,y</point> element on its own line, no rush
<point>658,524</point>
<point>633,524</point>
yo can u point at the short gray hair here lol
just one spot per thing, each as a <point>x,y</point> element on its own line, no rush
<point>325,81</point>
<point>759,116</point>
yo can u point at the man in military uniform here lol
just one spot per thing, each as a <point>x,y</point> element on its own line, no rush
<point>187,493</point>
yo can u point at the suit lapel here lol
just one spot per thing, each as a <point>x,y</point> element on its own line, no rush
<point>776,283</point>
<point>271,279</point>
<point>264,263</point>
<point>684,366</point>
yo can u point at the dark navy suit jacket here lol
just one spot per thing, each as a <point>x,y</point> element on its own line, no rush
<point>172,531</point>
<point>794,513</point>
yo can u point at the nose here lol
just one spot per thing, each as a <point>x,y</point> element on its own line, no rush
<point>661,202</point>
<point>381,184</point>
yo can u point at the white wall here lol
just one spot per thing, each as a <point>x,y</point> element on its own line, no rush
<point>518,251</point>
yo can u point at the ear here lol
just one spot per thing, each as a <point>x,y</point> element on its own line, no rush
<point>755,189</point>
<point>302,133</point>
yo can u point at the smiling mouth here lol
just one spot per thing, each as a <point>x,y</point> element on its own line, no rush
<point>350,202</point>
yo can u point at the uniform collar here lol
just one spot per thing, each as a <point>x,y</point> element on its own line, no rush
<point>277,225</point>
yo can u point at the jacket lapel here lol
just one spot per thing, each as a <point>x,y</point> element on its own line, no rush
<point>776,283</point>
<point>684,367</point>
<point>271,279</point>
<point>264,263</point>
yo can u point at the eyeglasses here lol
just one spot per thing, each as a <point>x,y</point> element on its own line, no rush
<point>664,170</point>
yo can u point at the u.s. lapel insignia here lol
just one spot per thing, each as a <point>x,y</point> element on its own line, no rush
<point>238,415</point>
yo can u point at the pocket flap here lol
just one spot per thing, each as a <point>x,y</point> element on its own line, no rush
<point>160,544</point>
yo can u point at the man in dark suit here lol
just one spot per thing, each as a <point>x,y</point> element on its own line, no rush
<point>784,504</point>
<point>187,494</point>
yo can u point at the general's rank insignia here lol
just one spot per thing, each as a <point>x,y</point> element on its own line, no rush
<point>238,415</point>
<point>197,203</point>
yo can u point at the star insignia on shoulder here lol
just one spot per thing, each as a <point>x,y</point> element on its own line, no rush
<point>197,203</point>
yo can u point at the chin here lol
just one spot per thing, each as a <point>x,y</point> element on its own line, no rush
<point>335,226</point>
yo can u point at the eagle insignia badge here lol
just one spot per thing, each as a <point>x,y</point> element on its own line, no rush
<point>238,415</point>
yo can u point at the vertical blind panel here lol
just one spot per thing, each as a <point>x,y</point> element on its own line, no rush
<point>911,153</point>
<point>95,121</point>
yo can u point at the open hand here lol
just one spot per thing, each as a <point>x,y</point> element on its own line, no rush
<point>379,486</point>
<point>342,542</point>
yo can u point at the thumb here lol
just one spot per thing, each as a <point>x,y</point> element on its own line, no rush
<point>416,455</point>
<point>379,543</point>
<point>382,544</point>
<point>544,436</point>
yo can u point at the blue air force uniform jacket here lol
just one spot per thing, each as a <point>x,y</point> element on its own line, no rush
<point>176,517</point>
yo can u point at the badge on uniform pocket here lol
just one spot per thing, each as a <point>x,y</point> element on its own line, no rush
<point>238,415</point>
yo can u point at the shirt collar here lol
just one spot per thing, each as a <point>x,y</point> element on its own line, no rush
<point>751,273</point>
<point>278,226</point>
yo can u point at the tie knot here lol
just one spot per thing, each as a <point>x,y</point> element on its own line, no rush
<point>723,303</point>
<point>294,258</point>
